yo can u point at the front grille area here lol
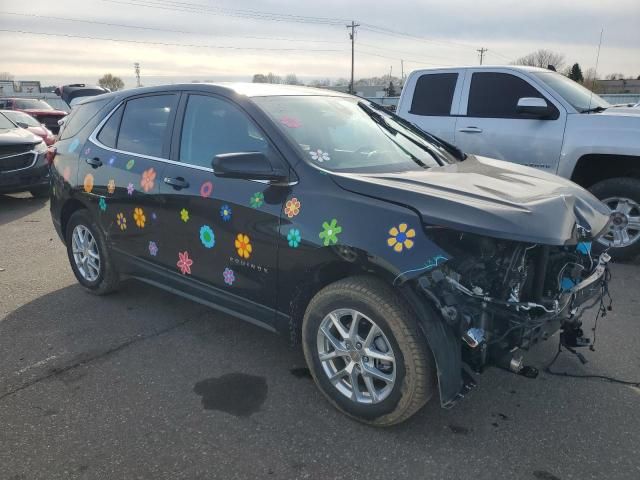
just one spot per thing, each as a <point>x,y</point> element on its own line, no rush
<point>6,150</point>
<point>16,162</point>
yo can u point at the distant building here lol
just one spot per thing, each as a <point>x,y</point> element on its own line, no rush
<point>618,86</point>
<point>367,91</point>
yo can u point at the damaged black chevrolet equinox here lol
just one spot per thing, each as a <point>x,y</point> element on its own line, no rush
<point>401,264</point>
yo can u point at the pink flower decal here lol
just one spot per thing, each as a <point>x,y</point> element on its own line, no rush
<point>290,122</point>
<point>229,276</point>
<point>206,189</point>
<point>66,174</point>
<point>130,189</point>
<point>184,263</point>
<point>153,249</point>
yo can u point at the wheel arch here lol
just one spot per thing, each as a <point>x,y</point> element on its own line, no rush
<point>588,170</point>
<point>69,207</point>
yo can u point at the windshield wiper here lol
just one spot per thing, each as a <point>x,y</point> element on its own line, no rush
<point>593,110</point>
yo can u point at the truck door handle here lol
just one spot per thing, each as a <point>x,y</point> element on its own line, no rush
<point>470,130</point>
<point>94,162</point>
<point>178,183</point>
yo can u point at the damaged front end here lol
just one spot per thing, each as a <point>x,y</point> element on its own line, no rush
<point>500,297</point>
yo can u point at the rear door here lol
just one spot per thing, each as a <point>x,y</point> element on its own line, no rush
<point>434,102</point>
<point>489,124</point>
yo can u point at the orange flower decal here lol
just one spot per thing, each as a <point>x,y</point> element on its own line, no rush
<point>88,183</point>
<point>148,178</point>
<point>292,207</point>
<point>400,237</point>
<point>139,217</point>
<point>111,186</point>
<point>243,245</point>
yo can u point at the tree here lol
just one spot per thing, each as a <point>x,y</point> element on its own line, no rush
<point>575,73</point>
<point>259,78</point>
<point>291,79</point>
<point>273,78</point>
<point>614,76</point>
<point>6,76</point>
<point>391,90</point>
<point>321,82</point>
<point>111,82</point>
<point>341,82</point>
<point>541,58</point>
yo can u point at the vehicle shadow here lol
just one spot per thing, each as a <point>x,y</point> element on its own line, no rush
<point>13,207</point>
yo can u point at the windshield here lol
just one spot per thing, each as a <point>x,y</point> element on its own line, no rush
<point>579,97</point>
<point>31,104</point>
<point>16,117</point>
<point>351,135</point>
<point>5,123</point>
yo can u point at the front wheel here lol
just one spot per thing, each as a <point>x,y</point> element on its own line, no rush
<point>622,196</point>
<point>366,352</point>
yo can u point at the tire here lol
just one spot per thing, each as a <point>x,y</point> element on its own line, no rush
<point>106,277</point>
<point>413,366</point>
<point>40,192</point>
<point>624,193</point>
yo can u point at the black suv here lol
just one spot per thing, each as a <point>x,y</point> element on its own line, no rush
<point>401,264</point>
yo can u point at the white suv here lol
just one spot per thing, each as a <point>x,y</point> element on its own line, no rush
<point>538,118</point>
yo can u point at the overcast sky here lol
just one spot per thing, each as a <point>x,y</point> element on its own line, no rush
<point>303,37</point>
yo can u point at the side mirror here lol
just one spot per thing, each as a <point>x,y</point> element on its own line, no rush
<point>534,106</point>
<point>22,125</point>
<point>247,166</point>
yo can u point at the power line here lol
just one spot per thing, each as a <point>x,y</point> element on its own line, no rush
<point>418,62</point>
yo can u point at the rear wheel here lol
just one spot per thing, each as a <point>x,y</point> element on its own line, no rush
<point>88,254</point>
<point>366,353</point>
<point>622,196</point>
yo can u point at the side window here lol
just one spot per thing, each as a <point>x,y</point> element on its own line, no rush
<point>495,95</point>
<point>3,104</point>
<point>433,94</point>
<point>145,124</point>
<point>79,117</point>
<point>213,126</point>
<point>109,133</point>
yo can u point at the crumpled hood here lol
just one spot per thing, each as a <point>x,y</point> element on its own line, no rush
<point>490,197</point>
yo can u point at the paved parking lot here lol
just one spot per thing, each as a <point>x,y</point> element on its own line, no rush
<point>143,384</point>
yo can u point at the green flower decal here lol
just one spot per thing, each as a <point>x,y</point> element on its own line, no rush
<point>130,164</point>
<point>257,200</point>
<point>103,204</point>
<point>329,233</point>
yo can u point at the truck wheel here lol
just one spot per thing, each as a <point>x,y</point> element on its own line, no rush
<point>89,256</point>
<point>622,196</point>
<point>366,352</point>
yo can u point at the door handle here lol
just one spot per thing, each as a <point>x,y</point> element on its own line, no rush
<point>178,183</point>
<point>470,130</point>
<point>94,162</point>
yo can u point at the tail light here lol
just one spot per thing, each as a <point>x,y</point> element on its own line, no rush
<point>51,154</point>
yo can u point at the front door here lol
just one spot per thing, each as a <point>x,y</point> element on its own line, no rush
<point>224,230</point>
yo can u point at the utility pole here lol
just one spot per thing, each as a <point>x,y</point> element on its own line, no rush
<point>482,51</point>
<point>136,68</point>
<point>352,36</point>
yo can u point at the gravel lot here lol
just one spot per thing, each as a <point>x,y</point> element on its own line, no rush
<point>143,384</point>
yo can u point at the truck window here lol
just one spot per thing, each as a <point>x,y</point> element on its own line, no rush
<point>433,94</point>
<point>495,95</point>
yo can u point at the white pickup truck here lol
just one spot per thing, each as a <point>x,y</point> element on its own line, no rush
<point>539,118</point>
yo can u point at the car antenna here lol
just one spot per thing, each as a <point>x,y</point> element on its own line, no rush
<point>595,72</point>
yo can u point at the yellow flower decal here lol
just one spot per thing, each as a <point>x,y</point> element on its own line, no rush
<point>184,215</point>
<point>400,237</point>
<point>138,217</point>
<point>243,245</point>
<point>111,186</point>
<point>121,220</point>
<point>88,183</point>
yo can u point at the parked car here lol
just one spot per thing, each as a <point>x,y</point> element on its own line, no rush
<point>542,119</point>
<point>75,92</point>
<point>23,163</point>
<point>24,120</point>
<point>39,109</point>
<point>392,256</point>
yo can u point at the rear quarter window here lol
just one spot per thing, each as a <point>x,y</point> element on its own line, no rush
<point>79,117</point>
<point>433,94</point>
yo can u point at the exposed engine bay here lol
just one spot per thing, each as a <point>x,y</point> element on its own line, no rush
<point>502,296</point>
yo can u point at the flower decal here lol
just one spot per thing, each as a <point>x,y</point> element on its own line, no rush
<point>88,183</point>
<point>290,122</point>
<point>206,189</point>
<point>319,156</point>
<point>243,246</point>
<point>102,204</point>
<point>66,173</point>
<point>207,236</point>
<point>153,249</point>
<point>257,200</point>
<point>294,238</point>
<point>112,160</point>
<point>184,263</point>
<point>73,145</point>
<point>292,207</point>
<point>130,164</point>
<point>139,217</point>
<point>121,220</point>
<point>330,231</point>
<point>130,189</point>
<point>148,179</point>
<point>400,237</point>
<point>229,276</point>
<point>184,215</point>
<point>225,212</point>
<point>111,186</point>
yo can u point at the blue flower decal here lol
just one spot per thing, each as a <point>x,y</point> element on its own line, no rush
<point>207,236</point>
<point>103,204</point>
<point>73,145</point>
<point>225,212</point>
<point>294,238</point>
